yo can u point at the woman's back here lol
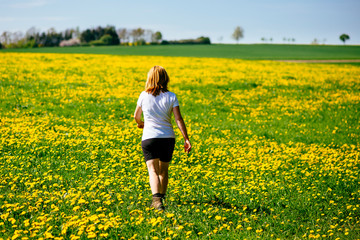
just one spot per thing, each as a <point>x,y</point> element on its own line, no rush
<point>157,112</point>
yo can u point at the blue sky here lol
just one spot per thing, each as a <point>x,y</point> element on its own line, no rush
<point>303,20</point>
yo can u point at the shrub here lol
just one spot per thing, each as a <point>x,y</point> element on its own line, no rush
<point>107,39</point>
<point>200,40</point>
<point>31,44</point>
<point>70,42</point>
<point>97,43</point>
<point>140,42</point>
<point>104,40</point>
<point>203,40</point>
<point>12,45</point>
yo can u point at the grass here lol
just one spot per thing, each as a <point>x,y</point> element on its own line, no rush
<point>275,149</point>
<point>243,51</point>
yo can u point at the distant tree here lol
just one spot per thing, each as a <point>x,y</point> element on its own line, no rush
<point>52,38</point>
<point>238,34</point>
<point>156,37</point>
<point>91,34</point>
<point>31,33</point>
<point>5,37</point>
<point>68,33</point>
<point>315,41</point>
<point>124,35</point>
<point>271,39</point>
<point>148,36</point>
<point>137,34</point>
<point>31,38</point>
<point>110,30</point>
<point>17,36</point>
<point>87,36</point>
<point>95,34</point>
<point>76,33</point>
<point>98,32</point>
<point>41,39</point>
<point>203,40</point>
<point>344,37</point>
<point>263,39</point>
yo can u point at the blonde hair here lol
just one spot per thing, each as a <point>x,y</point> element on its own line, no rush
<point>157,81</point>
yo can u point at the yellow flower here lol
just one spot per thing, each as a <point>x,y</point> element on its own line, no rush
<point>15,236</point>
<point>76,208</point>
<point>48,235</point>
<point>91,235</point>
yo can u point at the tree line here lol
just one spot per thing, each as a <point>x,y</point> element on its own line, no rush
<point>239,33</point>
<point>97,36</point>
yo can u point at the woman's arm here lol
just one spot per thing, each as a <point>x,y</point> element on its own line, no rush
<point>181,124</point>
<point>137,116</point>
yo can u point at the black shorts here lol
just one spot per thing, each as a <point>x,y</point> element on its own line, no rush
<point>162,148</point>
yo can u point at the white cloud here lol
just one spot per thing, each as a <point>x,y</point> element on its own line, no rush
<point>29,4</point>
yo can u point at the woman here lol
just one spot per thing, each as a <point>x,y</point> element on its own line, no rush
<point>158,139</point>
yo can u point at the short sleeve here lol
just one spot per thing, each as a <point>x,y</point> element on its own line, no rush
<point>139,102</point>
<point>176,102</point>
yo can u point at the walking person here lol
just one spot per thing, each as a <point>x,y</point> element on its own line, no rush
<point>157,104</point>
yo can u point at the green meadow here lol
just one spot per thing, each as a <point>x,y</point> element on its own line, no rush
<point>275,145</point>
<point>243,51</point>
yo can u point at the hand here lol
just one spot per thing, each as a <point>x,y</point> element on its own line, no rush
<point>140,125</point>
<point>187,146</point>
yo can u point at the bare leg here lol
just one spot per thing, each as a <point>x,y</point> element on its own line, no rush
<point>154,170</point>
<point>163,176</point>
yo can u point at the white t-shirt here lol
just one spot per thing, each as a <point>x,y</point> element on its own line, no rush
<point>157,114</point>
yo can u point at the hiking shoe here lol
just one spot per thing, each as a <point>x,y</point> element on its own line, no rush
<point>157,204</point>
